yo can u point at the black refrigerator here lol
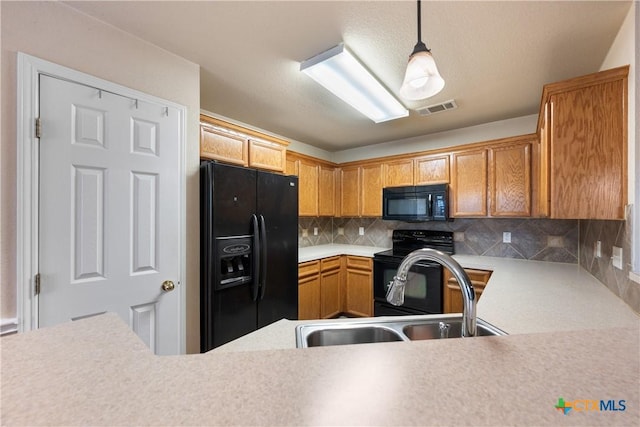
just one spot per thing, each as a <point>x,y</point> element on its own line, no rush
<point>248,251</point>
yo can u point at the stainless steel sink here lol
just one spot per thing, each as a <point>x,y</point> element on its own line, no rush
<point>351,335</point>
<point>374,330</point>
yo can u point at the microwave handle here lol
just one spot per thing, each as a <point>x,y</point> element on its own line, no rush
<point>430,206</point>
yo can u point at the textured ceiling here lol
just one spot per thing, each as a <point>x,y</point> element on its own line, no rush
<point>494,56</point>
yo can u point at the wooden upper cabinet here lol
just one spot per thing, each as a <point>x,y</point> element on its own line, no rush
<point>326,190</point>
<point>398,173</point>
<point>588,151</point>
<point>267,155</point>
<point>219,145</point>
<point>432,169</point>
<point>510,180</point>
<point>350,191</point>
<point>230,143</point>
<point>540,166</point>
<point>371,193</point>
<point>468,187</point>
<point>307,188</point>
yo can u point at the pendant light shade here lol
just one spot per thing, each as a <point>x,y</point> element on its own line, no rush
<point>422,79</point>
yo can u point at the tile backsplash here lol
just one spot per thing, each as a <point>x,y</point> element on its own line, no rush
<point>534,239</point>
<point>569,241</point>
<point>610,233</point>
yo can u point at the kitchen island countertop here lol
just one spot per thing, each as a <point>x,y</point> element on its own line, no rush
<point>571,339</point>
<point>69,375</point>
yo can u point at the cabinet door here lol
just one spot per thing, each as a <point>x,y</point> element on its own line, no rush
<point>326,191</point>
<point>267,155</point>
<point>398,173</point>
<point>588,152</point>
<point>468,188</point>
<point>350,191</point>
<point>359,286</point>
<point>330,298</point>
<point>432,170</point>
<point>308,188</point>
<point>226,147</point>
<point>452,294</point>
<point>510,180</point>
<point>371,191</point>
<point>309,298</point>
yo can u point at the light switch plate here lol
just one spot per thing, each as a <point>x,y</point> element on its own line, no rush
<point>361,231</point>
<point>598,248</point>
<point>617,257</point>
<point>506,237</point>
<point>315,231</point>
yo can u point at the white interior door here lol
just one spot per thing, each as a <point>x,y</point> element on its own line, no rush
<point>109,233</point>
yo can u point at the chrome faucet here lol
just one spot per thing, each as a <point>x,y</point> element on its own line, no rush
<point>395,293</point>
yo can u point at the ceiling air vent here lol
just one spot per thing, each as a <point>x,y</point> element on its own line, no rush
<point>437,108</point>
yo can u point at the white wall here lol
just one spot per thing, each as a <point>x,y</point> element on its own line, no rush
<point>483,132</point>
<point>55,32</point>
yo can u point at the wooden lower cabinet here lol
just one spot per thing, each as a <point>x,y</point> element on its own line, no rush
<point>309,290</point>
<point>336,285</point>
<point>330,295</point>
<point>358,286</point>
<point>452,293</point>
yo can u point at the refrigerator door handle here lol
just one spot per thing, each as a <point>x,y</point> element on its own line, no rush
<point>263,256</point>
<point>255,269</point>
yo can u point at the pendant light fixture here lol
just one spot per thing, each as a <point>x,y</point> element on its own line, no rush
<point>422,79</point>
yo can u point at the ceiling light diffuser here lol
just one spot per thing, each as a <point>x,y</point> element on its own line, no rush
<point>343,75</point>
<point>422,79</point>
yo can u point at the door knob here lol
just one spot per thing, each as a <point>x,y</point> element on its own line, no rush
<point>168,286</point>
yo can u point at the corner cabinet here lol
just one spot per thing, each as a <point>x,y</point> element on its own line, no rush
<point>316,183</point>
<point>583,147</point>
<point>510,179</point>
<point>230,143</point>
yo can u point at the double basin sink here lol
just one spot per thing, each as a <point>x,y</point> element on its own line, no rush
<point>386,330</point>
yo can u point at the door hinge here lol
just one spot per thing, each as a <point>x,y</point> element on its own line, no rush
<point>38,127</point>
<point>36,287</point>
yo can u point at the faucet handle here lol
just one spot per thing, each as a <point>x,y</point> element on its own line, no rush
<point>395,292</point>
<point>444,329</point>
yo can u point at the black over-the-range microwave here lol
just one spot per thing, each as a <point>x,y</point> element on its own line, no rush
<point>416,203</point>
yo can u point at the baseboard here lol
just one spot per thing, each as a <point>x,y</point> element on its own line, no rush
<point>8,326</point>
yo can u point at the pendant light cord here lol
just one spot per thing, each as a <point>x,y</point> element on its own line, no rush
<point>419,24</point>
<point>420,47</point>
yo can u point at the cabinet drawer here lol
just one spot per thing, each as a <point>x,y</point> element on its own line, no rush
<point>330,263</point>
<point>308,268</point>
<point>358,262</point>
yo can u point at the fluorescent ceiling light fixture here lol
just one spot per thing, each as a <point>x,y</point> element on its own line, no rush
<point>343,75</point>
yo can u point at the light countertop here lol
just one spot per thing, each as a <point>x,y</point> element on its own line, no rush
<point>311,253</point>
<point>570,338</point>
<point>92,372</point>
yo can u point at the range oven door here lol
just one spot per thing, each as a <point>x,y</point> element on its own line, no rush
<point>423,291</point>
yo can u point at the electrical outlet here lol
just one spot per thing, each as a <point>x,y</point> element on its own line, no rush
<point>305,232</point>
<point>617,257</point>
<point>361,231</point>
<point>598,249</point>
<point>315,231</point>
<point>340,231</point>
<point>506,237</point>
